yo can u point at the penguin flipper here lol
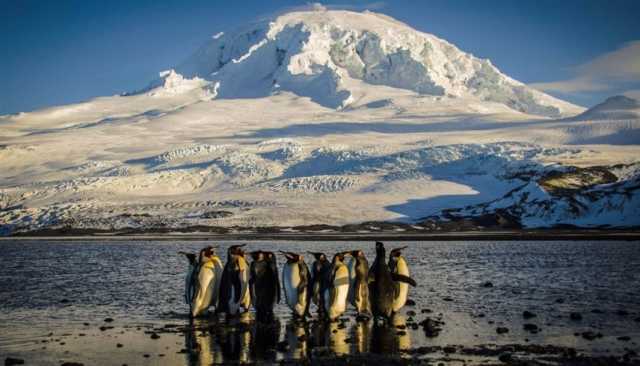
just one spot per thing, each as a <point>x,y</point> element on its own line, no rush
<point>401,278</point>
<point>237,287</point>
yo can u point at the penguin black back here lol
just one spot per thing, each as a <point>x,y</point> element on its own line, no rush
<point>264,284</point>
<point>381,285</point>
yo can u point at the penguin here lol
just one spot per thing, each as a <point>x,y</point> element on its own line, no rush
<point>337,289</point>
<point>295,280</point>
<point>189,278</point>
<point>207,282</point>
<point>398,265</point>
<point>359,283</point>
<point>264,285</point>
<point>382,289</point>
<point>320,270</point>
<point>234,288</point>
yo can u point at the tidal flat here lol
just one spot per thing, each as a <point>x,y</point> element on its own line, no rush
<point>476,303</point>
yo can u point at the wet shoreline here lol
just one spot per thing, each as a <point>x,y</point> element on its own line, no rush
<point>476,303</point>
<point>242,340</point>
<point>529,235</point>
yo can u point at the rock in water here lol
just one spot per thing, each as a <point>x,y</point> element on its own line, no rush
<point>10,361</point>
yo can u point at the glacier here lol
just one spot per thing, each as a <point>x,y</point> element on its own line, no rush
<point>328,119</point>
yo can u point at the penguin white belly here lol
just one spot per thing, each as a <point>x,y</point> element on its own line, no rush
<point>244,303</point>
<point>401,299</point>
<point>204,293</point>
<point>338,302</point>
<point>291,281</point>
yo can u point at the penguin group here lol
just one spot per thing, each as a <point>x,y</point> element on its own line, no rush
<point>377,291</point>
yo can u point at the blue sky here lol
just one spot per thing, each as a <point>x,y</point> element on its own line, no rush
<point>58,52</point>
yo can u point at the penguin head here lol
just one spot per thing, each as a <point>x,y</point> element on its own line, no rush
<point>339,257</point>
<point>269,256</point>
<point>258,255</point>
<point>236,250</point>
<point>190,257</point>
<point>380,248</point>
<point>396,253</point>
<point>206,253</point>
<point>357,253</point>
<point>292,257</point>
<point>319,256</point>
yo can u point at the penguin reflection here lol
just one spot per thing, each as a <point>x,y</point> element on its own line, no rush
<point>297,339</point>
<point>200,345</point>
<point>264,339</point>
<point>361,336</point>
<point>338,338</point>
<point>390,337</point>
<point>235,339</point>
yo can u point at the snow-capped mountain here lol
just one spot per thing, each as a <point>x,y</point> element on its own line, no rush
<point>332,56</point>
<point>321,118</point>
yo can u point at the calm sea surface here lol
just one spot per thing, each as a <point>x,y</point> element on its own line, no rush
<point>57,287</point>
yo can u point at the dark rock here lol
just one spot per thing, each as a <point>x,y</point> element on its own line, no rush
<point>411,313</point>
<point>591,335</point>
<point>622,312</point>
<point>502,330</point>
<point>575,316</point>
<point>560,301</point>
<point>597,311</point>
<point>481,315</point>
<point>146,355</point>
<point>447,298</point>
<point>487,284</point>
<point>505,357</point>
<point>86,324</point>
<point>104,327</point>
<point>528,315</point>
<point>154,335</point>
<point>624,338</point>
<point>119,345</point>
<point>637,320</point>
<point>426,311</point>
<point>410,303</point>
<point>65,301</point>
<point>530,327</point>
<point>72,364</point>
<point>431,327</point>
<point>108,320</point>
<point>449,349</point>
<point>10,361</point>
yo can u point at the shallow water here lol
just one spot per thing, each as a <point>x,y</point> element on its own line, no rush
<point>55,287</point>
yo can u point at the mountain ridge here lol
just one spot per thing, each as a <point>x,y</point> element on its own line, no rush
<point>328,54</point>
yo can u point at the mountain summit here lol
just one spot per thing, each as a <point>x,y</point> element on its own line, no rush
<point>336,57</point>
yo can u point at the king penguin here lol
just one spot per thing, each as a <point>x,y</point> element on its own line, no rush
<point>398,265</point>
<point>335,293</point>
<point>207,284</point>
<point>359,283</point>
<point>295,280</point>
<point>320,270</point>
<point>190,278</point>
<point>382,287</point>
<point>234,289</point>
<point>264,285</point>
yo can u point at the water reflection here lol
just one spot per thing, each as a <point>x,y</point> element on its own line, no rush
<point>244,340</point>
